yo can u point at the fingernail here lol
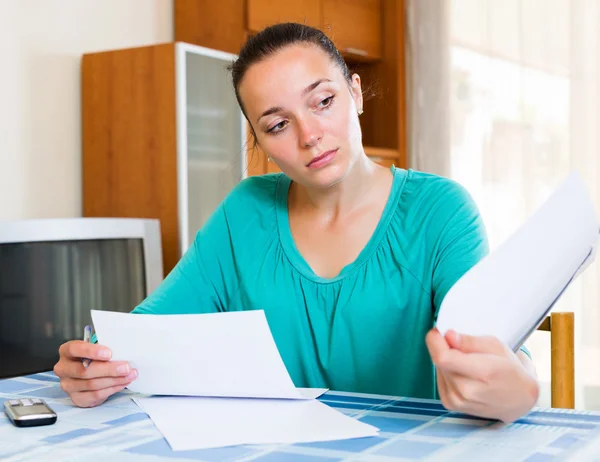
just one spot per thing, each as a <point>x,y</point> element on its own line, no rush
<point>104,353</point>
<point>123,369</point>
<point>132,375</point>
<point>458,337</point>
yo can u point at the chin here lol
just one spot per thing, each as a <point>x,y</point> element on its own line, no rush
<point>327,177</point>
<point>324,177</point>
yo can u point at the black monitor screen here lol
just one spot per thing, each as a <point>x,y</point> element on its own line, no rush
<point>47,290</point>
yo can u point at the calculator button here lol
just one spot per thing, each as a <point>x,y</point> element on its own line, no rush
<point>14,402</point>
<point>36,401</point>
<point>26,402</point>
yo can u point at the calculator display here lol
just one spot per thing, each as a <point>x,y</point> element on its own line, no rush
<point>30,410</point>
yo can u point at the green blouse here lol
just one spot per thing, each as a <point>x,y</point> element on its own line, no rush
<point>361,331</point>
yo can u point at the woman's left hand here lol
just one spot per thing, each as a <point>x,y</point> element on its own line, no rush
<point>481,376</point>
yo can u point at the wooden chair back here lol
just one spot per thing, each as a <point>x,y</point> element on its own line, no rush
<point>562,354</point>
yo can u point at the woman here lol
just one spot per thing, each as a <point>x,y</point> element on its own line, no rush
<point>349,260</point>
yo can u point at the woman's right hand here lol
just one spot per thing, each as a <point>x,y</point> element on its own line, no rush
<point>91,386</point>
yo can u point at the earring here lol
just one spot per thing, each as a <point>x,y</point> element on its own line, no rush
<point>360,111</point>
<point>269,158</point>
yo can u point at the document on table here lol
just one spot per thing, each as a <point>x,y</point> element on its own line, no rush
<point>231,354</point>
<point>200,423</point>
<point>235,387</point>
<point>509,292</point>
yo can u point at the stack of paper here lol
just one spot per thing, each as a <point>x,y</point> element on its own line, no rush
<point>198,423</point>
<point>225,379</point>
<point>509,293</point>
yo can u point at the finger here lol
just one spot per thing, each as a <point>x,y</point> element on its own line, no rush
<point>436,344</point>
<point>472,365</point>
<point>455,397</point>
<point>71,385</point>
<point>77,349</point>
<point>467,390</point>
<point>442,388</point>
<point>75,369</point>
<point>94,398</point>
<point>475,344</point>
<point>450,396</point>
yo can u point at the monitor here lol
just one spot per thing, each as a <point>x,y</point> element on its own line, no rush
<point>54,271</point>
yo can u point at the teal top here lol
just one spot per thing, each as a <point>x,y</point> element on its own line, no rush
<point>361,331</point>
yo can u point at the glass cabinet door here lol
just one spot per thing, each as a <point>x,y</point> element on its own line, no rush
<point>216,159</point>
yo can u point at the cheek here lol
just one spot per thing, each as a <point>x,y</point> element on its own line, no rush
<point>342,125</point>
<point>281,147</point>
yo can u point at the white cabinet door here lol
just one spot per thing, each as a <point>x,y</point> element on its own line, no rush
<point>211,131</point>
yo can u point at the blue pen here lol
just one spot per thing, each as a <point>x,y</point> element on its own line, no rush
<point>87,337</point>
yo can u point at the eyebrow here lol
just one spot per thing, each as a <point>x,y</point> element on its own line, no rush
<point>307,90</point>
<point>313,85</point>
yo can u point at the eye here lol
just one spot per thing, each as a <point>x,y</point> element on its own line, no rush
<point>278,127</point>
<point>326,102</point>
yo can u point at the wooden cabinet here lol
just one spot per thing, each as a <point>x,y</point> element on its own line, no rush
<point>384,119</point>
<point>355,27</point>
<point>218,25</point>
<point>163,137</point>
<point>263,13</point>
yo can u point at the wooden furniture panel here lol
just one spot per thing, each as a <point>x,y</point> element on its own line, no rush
<point>132,159</point>
<point>354,26</point>
<point>263,13</point>
<point>384,157</point>
<point>128,124</point>
<point>562,343</point>
<point>384,119</point>
<point>219,25</point>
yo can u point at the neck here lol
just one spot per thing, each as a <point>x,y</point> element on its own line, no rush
<point>344,196</point>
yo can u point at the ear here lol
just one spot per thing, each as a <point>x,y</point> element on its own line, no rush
<point>357,93</point>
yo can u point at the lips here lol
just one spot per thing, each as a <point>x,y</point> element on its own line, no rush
<point>318,159</point>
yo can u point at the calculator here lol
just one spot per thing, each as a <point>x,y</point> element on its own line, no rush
<point>29,412</point>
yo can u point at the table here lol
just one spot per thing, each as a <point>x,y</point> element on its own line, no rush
<point>411,429</point>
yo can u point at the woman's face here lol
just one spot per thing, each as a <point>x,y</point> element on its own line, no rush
<point>304,114</point>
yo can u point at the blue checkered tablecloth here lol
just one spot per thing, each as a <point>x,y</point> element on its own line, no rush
<point>411,429</point>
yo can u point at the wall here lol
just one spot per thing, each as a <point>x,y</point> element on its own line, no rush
<point>41,43</point>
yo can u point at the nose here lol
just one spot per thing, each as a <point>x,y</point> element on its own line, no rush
<point>310,132</point>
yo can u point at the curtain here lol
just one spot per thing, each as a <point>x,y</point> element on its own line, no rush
<point>505,99</point>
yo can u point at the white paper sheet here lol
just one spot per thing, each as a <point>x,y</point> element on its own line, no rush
<point>199,423</point>
<point>312,393</point>
<point>509,292</point>
<point>230,354</point>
